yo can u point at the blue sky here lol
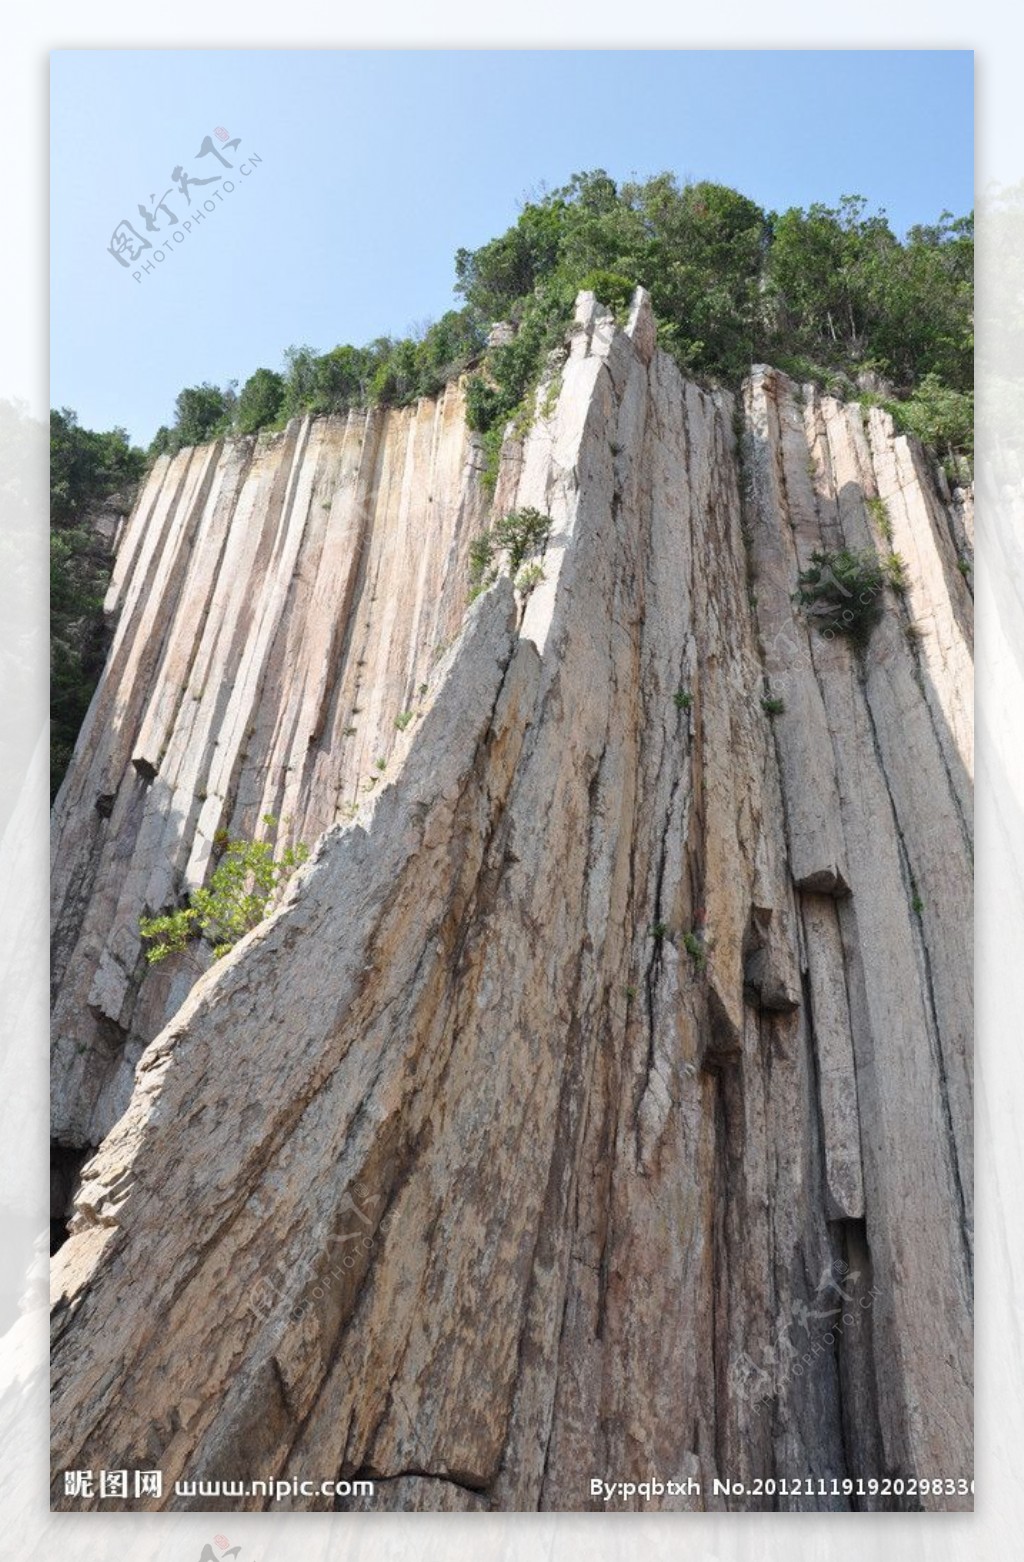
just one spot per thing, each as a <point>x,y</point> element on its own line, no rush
<point>376,166</point>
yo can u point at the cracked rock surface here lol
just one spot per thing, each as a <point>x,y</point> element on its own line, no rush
<point>598,1101</point>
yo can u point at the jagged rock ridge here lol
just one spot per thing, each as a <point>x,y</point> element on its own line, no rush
<point>616,1050</point>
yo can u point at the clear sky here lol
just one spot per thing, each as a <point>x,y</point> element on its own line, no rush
<point>376,166</point>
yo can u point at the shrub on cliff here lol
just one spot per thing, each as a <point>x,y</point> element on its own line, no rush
<point>234,902</point>
<point>520,534</point>
<point>844,593</point>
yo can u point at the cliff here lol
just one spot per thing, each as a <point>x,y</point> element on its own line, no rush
<point>598,1102</point>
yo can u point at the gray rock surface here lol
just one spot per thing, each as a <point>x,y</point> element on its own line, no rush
<point>598,1101</point>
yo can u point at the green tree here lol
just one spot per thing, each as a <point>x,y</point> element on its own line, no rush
<point>85,466</point>
<point>260,402</point>
<point>201,412</point>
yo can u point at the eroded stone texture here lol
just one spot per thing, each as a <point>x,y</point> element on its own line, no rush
<point>617,1050</point>
<point>282,601</point>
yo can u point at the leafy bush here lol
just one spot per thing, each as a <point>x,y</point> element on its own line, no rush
<point>519,534</point>
<point>260,401</point>
<point>481,555</point>
<point>483,404</point>
<point>234,902</point>
<point>843,592</point>
<point>695,949</point>
<point>940,417</point>
<point>611,289</point>
<point>529,578</point>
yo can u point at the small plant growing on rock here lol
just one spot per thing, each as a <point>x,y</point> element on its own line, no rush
<point>682,699</point>
<point>843,592</point>
<point>551,394</point>
<point>529,576</point>
<point>481,572</point>
<point>879,512</point>
<point>402,721</point>
<point>694,947</point>
<point>235,901</point>
<point>613,290</point>
<point>659,931</point>
<point>894,567</point>
<point>772,705</point>
<point>519,534</point>
<point>381,763</point>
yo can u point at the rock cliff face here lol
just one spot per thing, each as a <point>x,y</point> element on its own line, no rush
<point>598,1102</point>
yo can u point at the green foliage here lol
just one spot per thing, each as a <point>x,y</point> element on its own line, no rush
<point>518,534</point>
<point>879,512</point>
<point>843,290</point>
<point>521,533</point>
<point>234,902</point>
<point>825,293</point>
<point>843,592</point>
<point>894,568</point>
<point>387,372</point>
<point>260,401</point>
<point>611,289</point>
<point>201,412</point>
<point>85,468</point>
<point>481,554</point>
<point>402,721</point>
<point>492,442</point>
<point>682,699</point>
<point>772,705</point>
<point>695,949</point>
<point>659,931</point>
<point>529,577</point>
<point>483,404</point>
<point>941,417</point>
